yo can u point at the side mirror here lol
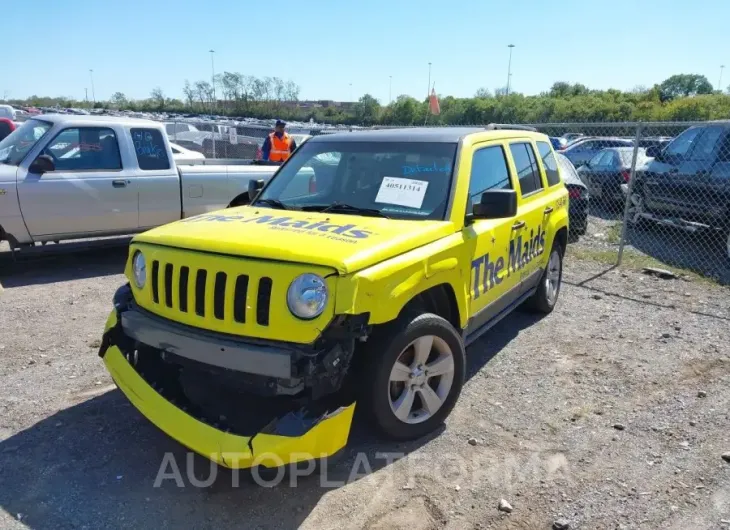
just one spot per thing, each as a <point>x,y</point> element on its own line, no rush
<point>653,151</point>
<point>254,187</point>
<point>42,164</point>
<point>496,204</point>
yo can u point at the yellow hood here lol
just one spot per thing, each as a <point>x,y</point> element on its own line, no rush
<point>347,243</point>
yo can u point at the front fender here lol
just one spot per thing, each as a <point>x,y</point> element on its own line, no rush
<point>384,289</point>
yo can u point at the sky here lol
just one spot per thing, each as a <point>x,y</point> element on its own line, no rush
<point>324,46</point>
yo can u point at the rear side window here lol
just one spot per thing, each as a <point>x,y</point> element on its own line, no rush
<point>706,143</point>
<point>85,149</point>
<point>681,145</point>
<point>549,163</point>
<point>150,148</point>
<point>488,172</point>
<point>526,165</point>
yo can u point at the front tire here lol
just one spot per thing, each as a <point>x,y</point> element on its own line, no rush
<point>546,296</point>
<point>415,368</point>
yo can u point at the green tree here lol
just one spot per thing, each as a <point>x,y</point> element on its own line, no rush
<point>684,85</point>
<point>367,110</point>
<point>119,100</point>
<point>157,98</point>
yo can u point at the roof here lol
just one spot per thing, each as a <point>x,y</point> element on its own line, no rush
<point>81,120</point>
<point>415,134</point>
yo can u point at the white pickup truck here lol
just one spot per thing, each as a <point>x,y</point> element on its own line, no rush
<point>72,177</point>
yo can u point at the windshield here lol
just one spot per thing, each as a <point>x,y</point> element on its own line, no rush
<point>402,180</point>
<point>14,148</point>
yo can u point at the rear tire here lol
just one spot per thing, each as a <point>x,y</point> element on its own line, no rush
<point>548,290</point>
<point>414,369</point>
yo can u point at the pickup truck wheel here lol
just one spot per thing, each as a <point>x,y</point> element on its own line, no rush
<point>546,296</point>
<point>414,375</point>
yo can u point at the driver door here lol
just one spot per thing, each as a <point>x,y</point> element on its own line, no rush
<point>87,193</point>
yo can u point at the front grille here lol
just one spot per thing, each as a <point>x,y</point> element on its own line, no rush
<point>210,293</point>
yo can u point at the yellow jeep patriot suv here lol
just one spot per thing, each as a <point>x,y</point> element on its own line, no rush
<point>357,274</point>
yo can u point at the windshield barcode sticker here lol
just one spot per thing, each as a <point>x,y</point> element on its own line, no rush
<point>403,192</point>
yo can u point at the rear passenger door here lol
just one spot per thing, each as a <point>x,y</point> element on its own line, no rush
<point>528,237</point>
<point>88,193</point>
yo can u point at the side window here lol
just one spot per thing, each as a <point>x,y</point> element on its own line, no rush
<point>598,159</point>
<point>170,128</point>
<point>681,145</point>
<point>85,149</point>
<point>705,144</point>
<point>150,148</point>
<point>526,166</point>
<point>549,163</point>
<point>488,172</point>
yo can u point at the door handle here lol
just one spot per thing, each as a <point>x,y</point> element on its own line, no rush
<point>518,225</point>
<point>548,210</point>
<point>119,183</point>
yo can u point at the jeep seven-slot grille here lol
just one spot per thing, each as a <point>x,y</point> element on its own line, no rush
<point>212,287</point>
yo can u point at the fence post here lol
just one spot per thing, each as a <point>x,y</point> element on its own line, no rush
<point>632,179</point>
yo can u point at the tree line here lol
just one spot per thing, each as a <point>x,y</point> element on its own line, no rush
<point>678,98</point>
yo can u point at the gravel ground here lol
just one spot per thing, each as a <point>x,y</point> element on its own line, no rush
<point>612,412</point>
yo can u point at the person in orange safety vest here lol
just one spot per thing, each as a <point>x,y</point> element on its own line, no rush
<point>278,146</point>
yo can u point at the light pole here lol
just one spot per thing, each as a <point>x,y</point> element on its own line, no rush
<point>86,91</point>
<point>350,92</point>
<point>93,94</point>
<point>719,84</point>
<point>428,90</point>
<point>212,74</point>
<point>390,89</point>
<point>509,66</point>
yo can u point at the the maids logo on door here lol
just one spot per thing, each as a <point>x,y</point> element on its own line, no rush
<point>348,233</point>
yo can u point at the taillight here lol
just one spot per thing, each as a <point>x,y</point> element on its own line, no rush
<point>312,184</point>
<point>259,153</point>
<point>575,193</point>
<point>626,174</point>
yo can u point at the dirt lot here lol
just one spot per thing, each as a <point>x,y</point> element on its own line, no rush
<point>613,412</point>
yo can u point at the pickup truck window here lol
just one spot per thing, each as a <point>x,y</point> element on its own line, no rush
<point>526,165</point>
<point>150,149</point>
<point>401,180</point>
<point>681,145</point>
<point>488,172</point>
<point>15,146</point>
<point>549,162</point>
<point>85,149</point>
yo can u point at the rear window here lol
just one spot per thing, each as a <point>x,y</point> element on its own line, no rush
<point>549,163</point>
<point>150,148</point>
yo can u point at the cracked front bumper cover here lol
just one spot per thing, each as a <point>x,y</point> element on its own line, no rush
<point>286,439</point>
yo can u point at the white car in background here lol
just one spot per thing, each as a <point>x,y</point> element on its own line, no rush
<point>185,156</point>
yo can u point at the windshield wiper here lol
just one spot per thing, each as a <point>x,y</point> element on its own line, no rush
<point>274,203</point>
<point>344,208</point>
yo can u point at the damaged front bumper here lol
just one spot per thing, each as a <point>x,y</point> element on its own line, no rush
<point>238,404</point>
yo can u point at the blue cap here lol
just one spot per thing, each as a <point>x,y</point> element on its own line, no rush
<point>280,123</point>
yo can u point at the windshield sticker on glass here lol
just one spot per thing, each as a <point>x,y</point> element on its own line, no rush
<point>402,192</point>
<point>433,168</point>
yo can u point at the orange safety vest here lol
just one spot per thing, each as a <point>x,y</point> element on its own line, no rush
<point>280,147</point>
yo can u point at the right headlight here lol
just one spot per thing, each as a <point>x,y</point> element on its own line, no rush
<point>139,269</point>
<point>307,296</point>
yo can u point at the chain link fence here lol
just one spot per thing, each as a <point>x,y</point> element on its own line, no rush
<point>656,191</point>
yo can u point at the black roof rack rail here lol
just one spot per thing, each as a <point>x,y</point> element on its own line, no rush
<point>495,126</point>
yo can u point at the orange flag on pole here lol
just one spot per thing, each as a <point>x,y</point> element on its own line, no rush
<point>433,103</point>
